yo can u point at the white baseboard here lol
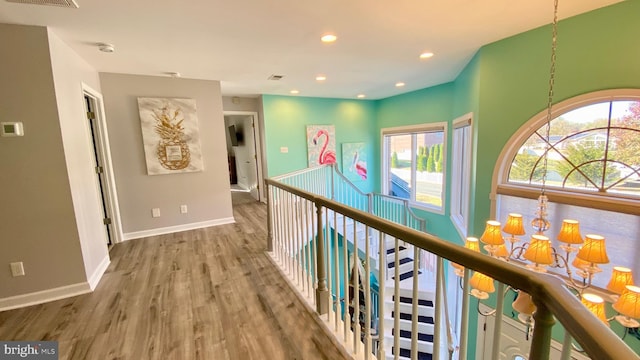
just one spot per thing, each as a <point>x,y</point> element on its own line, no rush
<point>94,279</point>
<point>177,228</point>
<point>44,296</point>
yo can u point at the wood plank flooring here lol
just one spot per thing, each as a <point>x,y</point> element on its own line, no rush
<point>202,294</point>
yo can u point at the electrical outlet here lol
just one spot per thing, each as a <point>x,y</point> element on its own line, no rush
<point>183,209</point>
<point>17,269</point>
<point>155,212</point>
<point>284,149</point>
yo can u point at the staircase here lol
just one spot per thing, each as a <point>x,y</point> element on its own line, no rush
<point>426,311</point>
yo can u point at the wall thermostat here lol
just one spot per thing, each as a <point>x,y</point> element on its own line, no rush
<point>11,129</point>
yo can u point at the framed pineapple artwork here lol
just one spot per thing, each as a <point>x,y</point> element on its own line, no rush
<point>170,135</point>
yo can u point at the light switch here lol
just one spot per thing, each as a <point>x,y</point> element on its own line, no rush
<point>11,129</point>
<point>284,149</point>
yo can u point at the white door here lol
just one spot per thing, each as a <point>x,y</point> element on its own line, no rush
<point>250,161</point>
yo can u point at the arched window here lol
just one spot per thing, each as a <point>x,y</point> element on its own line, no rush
<point>592,148</point>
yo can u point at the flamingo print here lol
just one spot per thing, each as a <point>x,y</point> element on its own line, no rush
<point>326,156</point>
<point>359,166</point>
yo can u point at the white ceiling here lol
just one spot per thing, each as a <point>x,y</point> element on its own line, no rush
<point>242,42</point>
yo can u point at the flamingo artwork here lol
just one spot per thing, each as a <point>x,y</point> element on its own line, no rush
<point>358,166</point>
<point>326,156</point>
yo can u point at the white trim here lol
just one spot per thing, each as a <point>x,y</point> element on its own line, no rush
<point>105,149</point>
<point>39,297</point>
<point>501,170</point>
<point>411,130</point>
<point>177,228</point>
<point>258,144</point>
<point>94,279</point>
<point>461,223</point>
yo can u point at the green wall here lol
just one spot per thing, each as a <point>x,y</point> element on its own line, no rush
<point>286,118</point>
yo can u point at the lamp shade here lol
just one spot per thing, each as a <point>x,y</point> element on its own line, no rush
<point>492,234</point>
<point>580,264</point>
<point>539,250</point>
<point>483,284</point>
<point>502,251</point>
<point>524,304</point>
<point>628,303</point>
<point>570,232</point>
<point>620,278</point>
<point>472,244</point>
<point>593,250</point>
<point>514,225</point>
<point>595,304</point>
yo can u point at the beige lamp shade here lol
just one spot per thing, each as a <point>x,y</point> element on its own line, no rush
<point>492,234</point>
<point>620,278</point>
<point>482,285</point>
<point>580,264</point>
<point>595,304</point>
<point>570,232</point>
<point>524,304</point>
<point>628,303</point>
<point>594,250</point>
<point>539,250</point>
<point>514,225</point>
<point>472,244</point>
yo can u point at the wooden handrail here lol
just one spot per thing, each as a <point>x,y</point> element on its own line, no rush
<point>548,292</point>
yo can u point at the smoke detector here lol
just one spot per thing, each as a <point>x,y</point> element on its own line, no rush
<point>62,3</point>
<point>104,47</point>
<point>275,77</point>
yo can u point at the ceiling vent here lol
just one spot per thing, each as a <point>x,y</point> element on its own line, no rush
<point>275,77</point>
<point>62,3</point>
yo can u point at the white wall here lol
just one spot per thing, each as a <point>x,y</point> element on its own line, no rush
<point>37,219</point>
<point>69,73</point>
<point>207,193</point>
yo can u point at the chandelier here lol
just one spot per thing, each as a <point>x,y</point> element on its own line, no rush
<point>538,254</point>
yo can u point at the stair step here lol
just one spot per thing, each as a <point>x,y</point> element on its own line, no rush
<point>400,262</point>
<point>408,300</point>
<point>393,249</point>
<point>408,317</point>
<point>407,335</point>
<point>406,353</point>
<point>406,275</point>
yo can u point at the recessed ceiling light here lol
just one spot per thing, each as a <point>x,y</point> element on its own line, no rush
<point>104,47</point>
<point>321,77</point>
<point>426,55</point>
<point>361,96</point>
<point>399,84</point>
<point>294,91</point>
<point>328,38</point>
<point>174,74</point>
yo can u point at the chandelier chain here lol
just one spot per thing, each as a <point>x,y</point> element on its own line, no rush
<point>552,73</point>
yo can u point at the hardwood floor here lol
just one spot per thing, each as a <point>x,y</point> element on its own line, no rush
<point>202,294</point>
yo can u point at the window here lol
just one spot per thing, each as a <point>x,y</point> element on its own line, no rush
<point>414,164</point>
<point>593,171</point>
<point>461,173</point>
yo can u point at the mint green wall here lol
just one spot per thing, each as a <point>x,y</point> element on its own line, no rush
<point>286,118</point>
<point>596,51</point>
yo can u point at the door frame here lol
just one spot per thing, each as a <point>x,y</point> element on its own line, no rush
<point>257,136</point>
<point>104,152</point>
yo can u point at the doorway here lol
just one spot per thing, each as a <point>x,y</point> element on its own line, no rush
<point>244,153</point>
<point>102,164</point>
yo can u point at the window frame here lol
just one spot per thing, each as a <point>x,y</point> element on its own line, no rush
<point>571,196</point>
<point>407,130</point>
<point>461,175</point>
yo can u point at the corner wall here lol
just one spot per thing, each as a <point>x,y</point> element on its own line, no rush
<point>207,194</point>
<point>38,224</point>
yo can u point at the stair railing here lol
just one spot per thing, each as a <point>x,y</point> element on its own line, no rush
<point>306,249</point>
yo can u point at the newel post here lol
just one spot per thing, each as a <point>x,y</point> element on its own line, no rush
<point>269,216</point>
<point>541,341</point>
<point>322,293</point>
